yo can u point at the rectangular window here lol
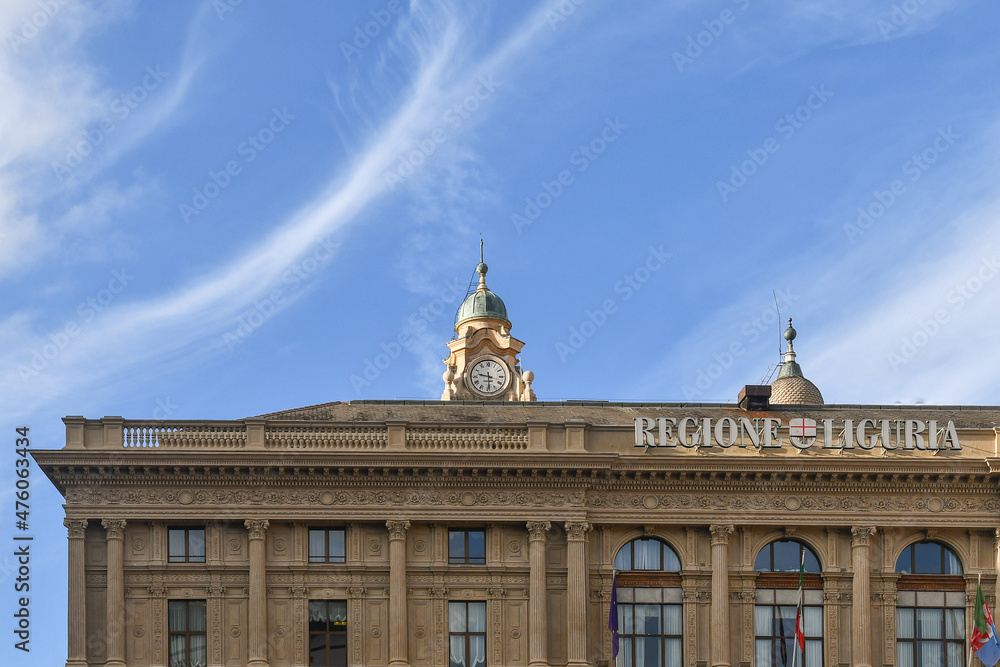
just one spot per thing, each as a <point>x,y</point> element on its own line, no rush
<point>774,622</point>
<point>327,633</point>
<point>467,634</point>
<point>930,629</point>
<point>650,626</point>
<point>326,545</point>
<point>186,545</point>
<point>187,636</point>
<point>466,546</point>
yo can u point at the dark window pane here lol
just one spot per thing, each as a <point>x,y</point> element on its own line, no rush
<point>337,552</point>
<point>317,542</point>
<point>456,545</point>
<point>175,540</point>
<point>928,558</point>
<point>904,565</point>
<point>812,565</point>
<point>196,545</point>
<point>671,563</point>
<point>477,546</point>
<point>763,562</point>
<point>786,556</point>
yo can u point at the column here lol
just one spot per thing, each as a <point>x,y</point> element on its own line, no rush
<point>576,593</point>
<point>537,627</point>
<point>397,593</point>
<point>76,653</point>
<point>996,560</point>
<point>719,635</point>
<point>115,630</point>
<point>861,613</point>
<point>257,612</point>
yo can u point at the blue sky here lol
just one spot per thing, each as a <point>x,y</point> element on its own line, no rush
<point>219,209</point>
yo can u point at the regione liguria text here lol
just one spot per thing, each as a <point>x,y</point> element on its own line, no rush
<point>798,432</point>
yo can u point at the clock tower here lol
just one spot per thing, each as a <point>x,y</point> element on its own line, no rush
<point>483,363</point>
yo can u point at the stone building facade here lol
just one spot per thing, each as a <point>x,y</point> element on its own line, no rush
<point>488,529</point>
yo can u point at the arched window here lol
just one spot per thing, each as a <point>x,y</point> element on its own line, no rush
<point>778,603</point>
<point>930,611</point>
<point>650,618</point>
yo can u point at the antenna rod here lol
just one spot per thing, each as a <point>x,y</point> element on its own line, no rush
<point>778,323</point>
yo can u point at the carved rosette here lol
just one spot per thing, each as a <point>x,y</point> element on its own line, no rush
<point>577,530</point>
<point>537,530</point>
<point>115,528</point>
<point>861,535</point>
<point>76,528</point>
<point>721,533</point>
<point>256,528</point>
<point>397,529</point>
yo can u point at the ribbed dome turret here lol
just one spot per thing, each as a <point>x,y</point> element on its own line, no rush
<point>791,387</point>
<point>482,304</point>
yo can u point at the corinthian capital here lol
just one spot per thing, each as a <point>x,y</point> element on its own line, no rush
<point>115,528</point>
<point>76,527</point>
<point>577,530</point>
<point>721,533</point>
<point>537,529</point>
<point>860,535</point>
<point>256,528</point>
<point>397,529</point>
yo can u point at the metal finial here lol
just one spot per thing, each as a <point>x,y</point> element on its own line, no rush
<point>789,334</point>
<point>480,249</point>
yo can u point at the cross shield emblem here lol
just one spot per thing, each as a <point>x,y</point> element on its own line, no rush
<point>802,428</point>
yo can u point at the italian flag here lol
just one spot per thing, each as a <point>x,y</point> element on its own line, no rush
<point>800,634</point>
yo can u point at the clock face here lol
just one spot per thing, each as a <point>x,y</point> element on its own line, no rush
<point>488,376</point>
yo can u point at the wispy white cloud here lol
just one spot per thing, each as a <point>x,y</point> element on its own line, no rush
<point>194,316</point>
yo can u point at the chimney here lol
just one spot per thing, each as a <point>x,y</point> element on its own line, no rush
<point>755,397</point>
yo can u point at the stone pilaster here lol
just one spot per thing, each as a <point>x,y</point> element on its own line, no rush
<point>537,620</point>
<point>115,630</point>
<point>257,612</point>
<point>397,593</point>
<point>76,646</point>
<point>720,595</point>
<point>996,560</point>
<point>576,593</point>
<point>861,612</point>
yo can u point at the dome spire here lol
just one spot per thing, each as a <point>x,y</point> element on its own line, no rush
<point>791,387</point>
<point>481,269</point>
<point>790,367</point>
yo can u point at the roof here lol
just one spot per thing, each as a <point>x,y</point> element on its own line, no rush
<point>616,412</point>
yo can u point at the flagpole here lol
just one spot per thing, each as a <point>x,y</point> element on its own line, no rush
<point>978,584</point>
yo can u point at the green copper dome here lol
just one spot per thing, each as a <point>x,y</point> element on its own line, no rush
<point>482,303</point>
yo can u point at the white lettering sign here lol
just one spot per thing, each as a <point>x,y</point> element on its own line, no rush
<point>803,433</point>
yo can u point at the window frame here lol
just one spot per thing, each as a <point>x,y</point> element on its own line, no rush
<point>623,622</point>
<point>331,631</point>
<point>187,633</point>
<point>945,549</point>
<point>326,557</point>
<point>665,547</point>
<point>466,559</point>
<point>187,557</point>
<point>922,584</point>
<point>771,581</point>
<point>467,634</point>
